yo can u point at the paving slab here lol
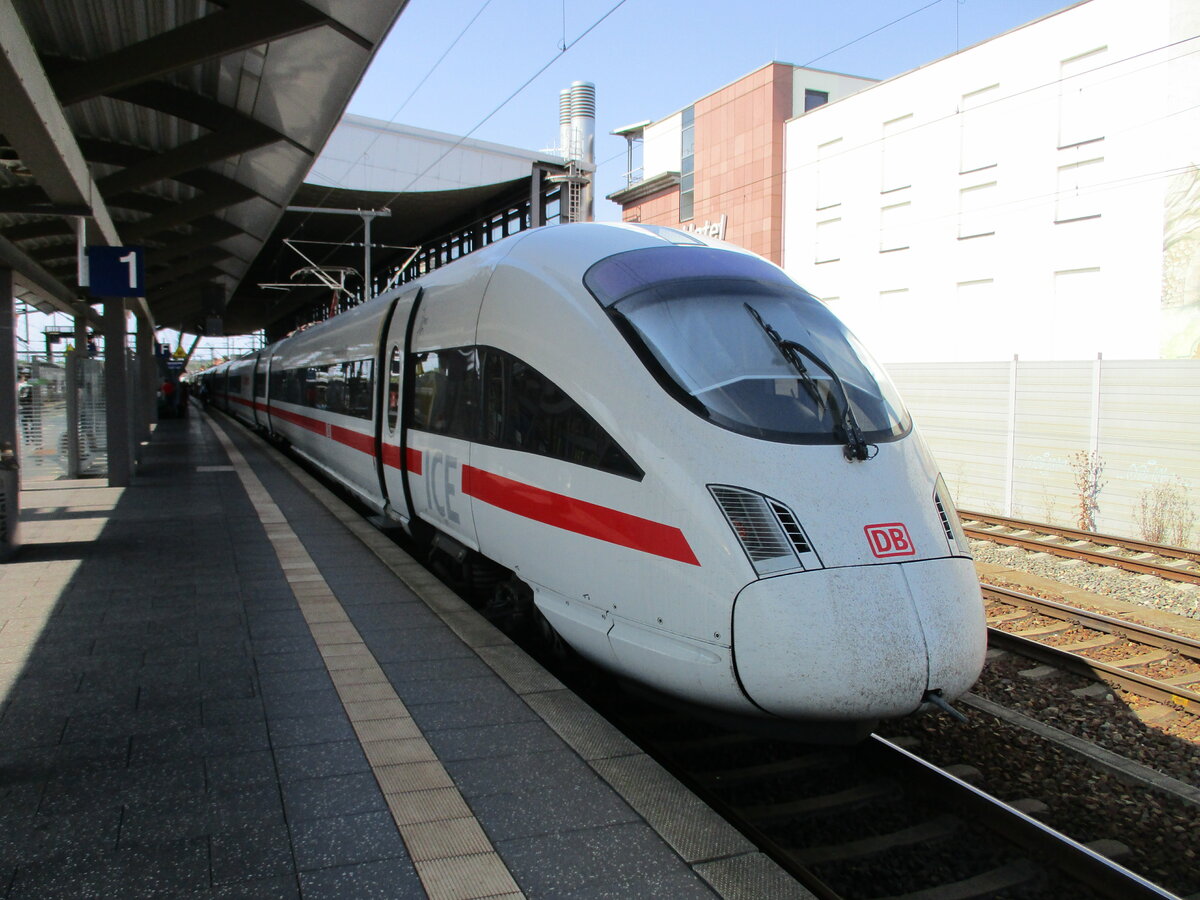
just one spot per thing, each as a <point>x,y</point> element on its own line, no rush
<point>221,680</point>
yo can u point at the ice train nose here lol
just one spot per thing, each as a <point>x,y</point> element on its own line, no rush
<point>860,642</point>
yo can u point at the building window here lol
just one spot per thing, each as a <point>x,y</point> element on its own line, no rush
<point>978,293</point>
<point>980,136</point>
<point>976,210</point>
<point>829,241</point>
<point>1078,191</point>
<point>1081,99</point>
<point>831,173</point>
<point>813,99</point>
<point>894,227</point>
<point>687,165</point>
<point>897,154</point>
<point>1074,320</point>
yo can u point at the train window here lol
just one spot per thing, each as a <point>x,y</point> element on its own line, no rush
<point>235,384</point>
<point>345,388</point>
<point>260,383</point>
<point>446,391</point>
<point>393,398</point>
<point>739,343</point>
<point>491,396</point>
<point>524,410</point>
<point>317,387</point>
<point>293,386</point>
<point>357,380</point>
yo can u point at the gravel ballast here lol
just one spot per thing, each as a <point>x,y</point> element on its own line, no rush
<point>1084,802</point>
<point>1174,597</point>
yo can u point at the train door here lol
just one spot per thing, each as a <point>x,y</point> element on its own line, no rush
<point>441,405</point>
<point>389,433</point>
<point>257,387</point>
<point>264,361</point>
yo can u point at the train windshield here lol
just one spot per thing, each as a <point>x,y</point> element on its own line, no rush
<point>741,344</point>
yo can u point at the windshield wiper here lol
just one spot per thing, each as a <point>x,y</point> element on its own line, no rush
<point>856,445</point>
<point>787,349</point>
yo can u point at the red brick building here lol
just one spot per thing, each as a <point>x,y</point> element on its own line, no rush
<point>716,166</point>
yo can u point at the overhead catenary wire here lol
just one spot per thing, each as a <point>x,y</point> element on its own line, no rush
<point>563,48</point>
<point>553,59</point>
<point>1024,93</point>
<point>392,118</point>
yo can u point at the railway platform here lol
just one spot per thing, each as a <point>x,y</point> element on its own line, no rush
<point>221,681</point>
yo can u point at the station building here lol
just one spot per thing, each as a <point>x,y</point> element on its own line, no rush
<point>717,166</point>
<point>1035,194</point>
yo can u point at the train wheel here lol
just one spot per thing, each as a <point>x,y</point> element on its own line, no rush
<point>510,603</point>
<point>549,638</point>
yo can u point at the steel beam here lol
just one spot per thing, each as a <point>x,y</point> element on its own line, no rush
<point>32,121</point>
<point>201,152</point>
<point>116,395</point>
<point>10,442</point>
<point>211,37</point>
<point>190,210</point>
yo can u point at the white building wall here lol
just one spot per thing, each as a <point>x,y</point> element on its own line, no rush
<point>661,140</point>
<point>661,146</point>
<point>372,155</point>
<point>1008,199</point>
<point>834,84</point>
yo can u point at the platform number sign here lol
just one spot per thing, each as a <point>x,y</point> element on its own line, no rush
<point>116,271</point>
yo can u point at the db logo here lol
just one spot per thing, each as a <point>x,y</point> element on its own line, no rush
<point>890,539</point>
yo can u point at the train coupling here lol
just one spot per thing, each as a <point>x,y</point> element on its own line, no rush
<point>935,697</point>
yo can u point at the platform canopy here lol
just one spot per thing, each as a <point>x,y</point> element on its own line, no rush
<point>183,126</point>
<point>334,241</point>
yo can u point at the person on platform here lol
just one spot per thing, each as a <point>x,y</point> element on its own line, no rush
<point>170,398</point>
<point>25,405</point>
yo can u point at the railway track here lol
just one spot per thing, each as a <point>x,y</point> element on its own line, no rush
<point>877,821</point>
<point>1143,647</point>
<point>1173,563</point>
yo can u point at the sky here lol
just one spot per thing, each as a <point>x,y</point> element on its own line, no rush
<point>464,66</point>
<point>492,69</point>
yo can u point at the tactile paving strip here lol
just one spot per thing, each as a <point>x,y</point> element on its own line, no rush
<point>453,857</point>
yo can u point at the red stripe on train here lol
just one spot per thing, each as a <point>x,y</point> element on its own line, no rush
<point>557,510</point>
<point>308,423</point>
<point>391,457</point>
<point>578,516</point>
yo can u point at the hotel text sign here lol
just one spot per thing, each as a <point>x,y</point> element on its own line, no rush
<point>708,229</point>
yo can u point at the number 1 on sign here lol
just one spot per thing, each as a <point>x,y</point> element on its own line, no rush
<point>130,259</point>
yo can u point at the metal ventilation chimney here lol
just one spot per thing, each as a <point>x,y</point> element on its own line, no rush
<point>564,122</point>
<point>577,144</point>
<point>583,128</point>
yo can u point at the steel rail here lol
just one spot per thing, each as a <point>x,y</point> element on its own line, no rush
<point>1133,545</point>
<point>1092,556</point>
<point>1114,676</point>
<point>1045,846</point>
<point>1050,847</point>
<point>1141,634</point>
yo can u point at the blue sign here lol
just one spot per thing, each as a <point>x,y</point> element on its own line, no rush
<point>117,271</point>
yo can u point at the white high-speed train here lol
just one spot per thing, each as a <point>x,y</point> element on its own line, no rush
<point>686,464</point>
